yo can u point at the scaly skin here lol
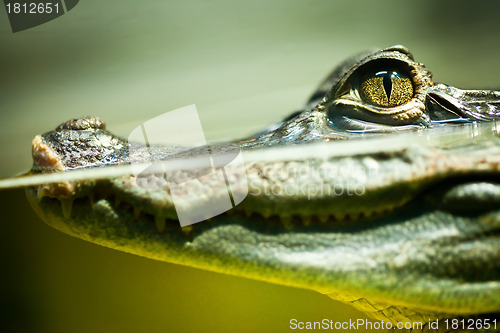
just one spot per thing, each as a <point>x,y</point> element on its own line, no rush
<point>402,221</point>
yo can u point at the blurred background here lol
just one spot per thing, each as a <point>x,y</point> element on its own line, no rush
<point>244,64</point>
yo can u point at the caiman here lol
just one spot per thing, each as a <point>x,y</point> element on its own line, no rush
<point>382,192</point>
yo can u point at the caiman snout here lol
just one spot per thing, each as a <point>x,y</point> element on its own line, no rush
<point>445,103</point>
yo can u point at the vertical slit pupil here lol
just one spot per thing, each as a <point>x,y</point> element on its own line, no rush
<point>387,81</point>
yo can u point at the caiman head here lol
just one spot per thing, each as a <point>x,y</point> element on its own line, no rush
<point>390,202</point>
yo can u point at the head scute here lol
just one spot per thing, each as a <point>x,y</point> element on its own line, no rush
<point>84,123</point>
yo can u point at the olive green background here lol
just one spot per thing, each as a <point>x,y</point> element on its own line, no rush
<point>244,64</point>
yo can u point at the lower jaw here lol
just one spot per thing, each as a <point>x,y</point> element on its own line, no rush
<point>205,247</point>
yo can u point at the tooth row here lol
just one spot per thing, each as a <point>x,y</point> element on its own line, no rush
<point>289,221</point>
<point>160,222</point>
<point>286,221</point>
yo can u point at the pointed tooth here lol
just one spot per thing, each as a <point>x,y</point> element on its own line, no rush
<point>368,214</point>
<point>187,230</point>
<point>137,212</point>
<point>266,215</point>
<point>307,220</point>
<point>40,194</point>
<point>160,223</point>
<point>66,205</point>
<point>117,201</point>
<point>323,218</point>
<point>386,209</point>
<point>389,209</point>
<point>339,216</point>
<point>92,199</point>
<point>287,222</point>
<point>355,216</point>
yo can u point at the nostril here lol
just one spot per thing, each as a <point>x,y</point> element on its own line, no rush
<point>84,123</point>
<point>440,108</point>
<point>448,104</point>
<point>44,156</point>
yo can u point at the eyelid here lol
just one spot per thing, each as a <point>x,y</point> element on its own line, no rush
<point>354,93</point>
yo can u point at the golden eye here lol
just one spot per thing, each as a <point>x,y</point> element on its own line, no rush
<point>386,88</point>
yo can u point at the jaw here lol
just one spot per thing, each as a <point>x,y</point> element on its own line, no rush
<point>416,257</point>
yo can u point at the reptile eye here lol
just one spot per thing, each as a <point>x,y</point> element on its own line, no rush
<point>387,88</point>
